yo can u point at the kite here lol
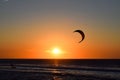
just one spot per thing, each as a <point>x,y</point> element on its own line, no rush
<point>82,34</point>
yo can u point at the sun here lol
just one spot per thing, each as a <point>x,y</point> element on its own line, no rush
<point>56,51</point>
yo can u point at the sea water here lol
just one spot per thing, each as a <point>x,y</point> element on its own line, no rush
<point>93,67</point>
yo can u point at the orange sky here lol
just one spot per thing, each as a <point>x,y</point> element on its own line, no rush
<point>31,29</point>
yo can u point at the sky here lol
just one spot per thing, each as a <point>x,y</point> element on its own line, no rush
<point>33,28</point>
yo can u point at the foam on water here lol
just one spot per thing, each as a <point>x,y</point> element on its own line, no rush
<point>65,69</point>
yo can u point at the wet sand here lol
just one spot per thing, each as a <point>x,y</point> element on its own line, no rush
<point>17,75</point>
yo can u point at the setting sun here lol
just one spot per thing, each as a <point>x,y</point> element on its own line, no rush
<point>56,51</point>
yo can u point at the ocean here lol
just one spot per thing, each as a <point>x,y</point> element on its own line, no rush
<point>59,69</point>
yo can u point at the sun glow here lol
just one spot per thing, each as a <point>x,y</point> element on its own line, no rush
<point>56,51</point>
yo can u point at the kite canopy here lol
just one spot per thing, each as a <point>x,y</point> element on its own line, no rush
<point>82,34</point>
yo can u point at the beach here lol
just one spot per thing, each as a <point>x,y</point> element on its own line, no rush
<point>64,70</point>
